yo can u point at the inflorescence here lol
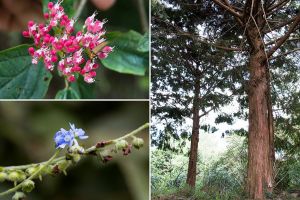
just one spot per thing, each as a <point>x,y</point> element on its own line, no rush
<point>67,138</point>
<point>23,176</point>
<point>56,43</point>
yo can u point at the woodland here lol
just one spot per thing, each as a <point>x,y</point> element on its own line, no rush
<point>207,54</point>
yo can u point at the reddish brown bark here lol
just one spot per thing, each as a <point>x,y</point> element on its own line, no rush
<point>261,153</point>
<point>192,168</point>
<point>260,143</point>
<point>271,125</point>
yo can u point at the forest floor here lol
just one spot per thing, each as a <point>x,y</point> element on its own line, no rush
<point>282,196</point>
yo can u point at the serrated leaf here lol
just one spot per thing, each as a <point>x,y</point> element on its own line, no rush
<point>129,55</point>
<point>19,78</point>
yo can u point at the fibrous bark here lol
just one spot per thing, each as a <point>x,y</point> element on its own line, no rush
<point>192,168</point>
<point>260,141</point>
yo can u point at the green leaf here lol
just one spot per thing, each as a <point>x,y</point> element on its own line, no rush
<point>19,78</point>
<point>143,45</point>
<point>67,4</point>
<point>130,55</point>
<point>67,93</point>
<point>83,89</point>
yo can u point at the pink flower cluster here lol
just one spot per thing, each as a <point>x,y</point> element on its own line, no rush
<point>57,44</point>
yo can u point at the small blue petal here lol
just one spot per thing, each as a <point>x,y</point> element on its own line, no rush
<point>72,126</point>
<point>63,138</point>
<point>83,137</point>
<point>78,132</point>
<point>61,146</point>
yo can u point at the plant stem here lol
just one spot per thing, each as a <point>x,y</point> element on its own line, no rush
<point>143,15</point>
<point>87,151</point>
<point>79,8</point>
<point>22,167</point>
<point>53,159</point>
<point>66,83</point>
<point>128,135</point>
<point>17,187</point>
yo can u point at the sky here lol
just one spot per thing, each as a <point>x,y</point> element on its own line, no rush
<point>220,145</point>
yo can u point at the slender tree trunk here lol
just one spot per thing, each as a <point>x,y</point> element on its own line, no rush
<point>271,128</point>
<point>260,147</point>
<point>192,169</point>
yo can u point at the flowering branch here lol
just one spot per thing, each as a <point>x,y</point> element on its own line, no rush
<point>58,45</point>
<point>23,175</point>
<point>30,177</point>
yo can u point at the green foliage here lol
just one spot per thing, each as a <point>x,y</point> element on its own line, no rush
<point>166,175</point>
<point>67,93</point>
<point>186,74</point>
<point>287,173</point>
<point>83,90</point>
<point>19,78</point>
<point>220,176</point>
<point>224,117</point>
<point>131,53</point>
<point>200,26</point>
<point>77,90</point>
<point>225,177</point>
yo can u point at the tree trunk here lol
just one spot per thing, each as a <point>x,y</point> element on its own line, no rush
<point>260,143</point>
<point>271,127</point>
<point>192,169</point>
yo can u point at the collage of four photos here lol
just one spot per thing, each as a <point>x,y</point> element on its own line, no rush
<point>149,99</point>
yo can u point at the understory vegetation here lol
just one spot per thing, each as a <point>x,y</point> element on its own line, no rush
<point>221,174</point>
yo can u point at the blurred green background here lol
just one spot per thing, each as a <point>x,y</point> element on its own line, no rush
<point>123,16</point>
<point>26,136</point>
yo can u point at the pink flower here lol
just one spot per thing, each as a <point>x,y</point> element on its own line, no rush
<point>67,50</point>
<point>102,55</point>
<point>107,49</point>
<point>88,77</point>
<point>71,78</point>
<point>31,51</point>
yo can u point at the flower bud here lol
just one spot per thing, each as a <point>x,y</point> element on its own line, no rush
<point>27,186</point>
<point>138,142</point>
<point>76,158</point>
<point>46,170</point>
<point>107,49</point>
<point>121,144</point>
<point>16,176</point>
<point>13,176</point>
<point>26,34</point>
<point>105,156</point>
<point>19,196</point>
<point>63,166</point>
<point>3,176</point>
<point>127,150</point>
<point>31,50</point>
<point>71,78</point>
<point>31,170</point>
<point>76,149</point>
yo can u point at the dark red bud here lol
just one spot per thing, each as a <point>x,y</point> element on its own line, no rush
<point>127,150</point>
<point>107,158</point>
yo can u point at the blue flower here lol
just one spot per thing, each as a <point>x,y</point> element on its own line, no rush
<point>78,132</point>
<point>63,138</point>
<point>68,138</point>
